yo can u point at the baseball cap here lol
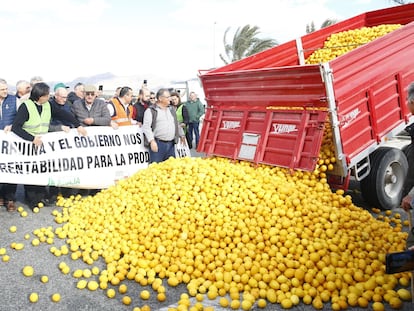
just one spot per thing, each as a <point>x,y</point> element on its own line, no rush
<point>60,85</point>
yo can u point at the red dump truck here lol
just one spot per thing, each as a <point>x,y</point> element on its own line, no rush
<point>271,107</point>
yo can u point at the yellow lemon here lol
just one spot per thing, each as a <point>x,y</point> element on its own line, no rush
<point>28,270</point>
<point>56,297</point>
<point>95,270</point>
<point>65,270</point>
<point>235,304</point>
<point>404,294</point>
<point>110,293</point>
<point>81,284</point>
<point>18,246</point>
<point>224,302</point>
<point>246,305</point>
<point>145,295</point>
<point>77,273</point>
<point>93,285</point>
<point>44,279</point>
<point>286,303</point>
<point>395,303</point>
<point>123,289</point>
<point>87,273</point>
<point>261,303</point>
<point>378,306</point>
<point>34,297</point>
<point>161,297</point>
<point>126,300</point>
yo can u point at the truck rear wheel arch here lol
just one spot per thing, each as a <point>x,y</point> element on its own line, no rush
<point>384,185</point>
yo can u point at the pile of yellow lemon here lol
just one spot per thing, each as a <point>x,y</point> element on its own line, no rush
<point>340,43</point>
<point>254,233</point>
<point>242,233</point>
<point>336,45</point>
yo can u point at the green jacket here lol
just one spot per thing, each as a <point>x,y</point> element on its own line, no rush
<point>195,110</point>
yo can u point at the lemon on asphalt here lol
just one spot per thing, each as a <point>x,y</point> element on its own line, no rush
<point>34,297</point>
<point>56,297</point>
<point>28,270</point>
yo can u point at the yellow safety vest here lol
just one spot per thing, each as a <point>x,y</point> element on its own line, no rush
<point>38,123</point>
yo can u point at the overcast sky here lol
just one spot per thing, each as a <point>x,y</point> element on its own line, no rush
<point>66,39</point>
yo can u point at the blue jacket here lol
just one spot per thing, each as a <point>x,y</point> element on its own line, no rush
<point>8,111</point>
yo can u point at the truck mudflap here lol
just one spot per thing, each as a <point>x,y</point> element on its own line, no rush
<point>285,137</point>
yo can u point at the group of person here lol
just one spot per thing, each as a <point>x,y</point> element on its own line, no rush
<point>33,111</point>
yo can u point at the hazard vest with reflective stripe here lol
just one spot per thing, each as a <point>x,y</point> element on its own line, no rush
<point>38,123</point>
<point>179,112</point>
<point>121,117</point>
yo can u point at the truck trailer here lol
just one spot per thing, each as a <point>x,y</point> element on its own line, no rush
<point>273,108</point>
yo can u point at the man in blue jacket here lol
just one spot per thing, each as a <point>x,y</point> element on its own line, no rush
<point>8,108</point>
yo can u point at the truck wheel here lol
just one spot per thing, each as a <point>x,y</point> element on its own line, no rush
<point>409,180</point>
<point>384,185</point>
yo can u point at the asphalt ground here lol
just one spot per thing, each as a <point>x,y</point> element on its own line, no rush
<point>15,288</point>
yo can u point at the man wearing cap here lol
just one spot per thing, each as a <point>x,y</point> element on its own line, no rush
<point>91,110</point>
<point>60,85</point>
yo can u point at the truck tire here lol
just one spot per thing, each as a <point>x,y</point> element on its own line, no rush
<point>409,180</point>
<point>384,185</point>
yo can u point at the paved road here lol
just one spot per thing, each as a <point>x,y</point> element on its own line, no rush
<point>15,287</point>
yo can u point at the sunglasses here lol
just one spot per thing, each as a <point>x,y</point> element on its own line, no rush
<point>89,93</point>
<point>152,97</point>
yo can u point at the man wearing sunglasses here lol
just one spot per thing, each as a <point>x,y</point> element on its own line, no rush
<point>91,110</point>
<point>152,99</point>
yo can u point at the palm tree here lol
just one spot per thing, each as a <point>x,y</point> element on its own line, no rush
<point>327,22</point>
<point>401,1</point>
<point>245,43</point>
<point>310,27</point>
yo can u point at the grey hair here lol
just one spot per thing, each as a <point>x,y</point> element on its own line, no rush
<point>21,82</point>
<point>161,92</point>
<point>35,79</point>
<point>2,81</point>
